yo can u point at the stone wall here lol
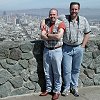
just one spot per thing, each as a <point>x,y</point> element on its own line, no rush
<point>90,69</point>
<point>21,68</point>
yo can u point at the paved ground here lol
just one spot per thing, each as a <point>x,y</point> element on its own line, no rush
<point>87,93</point>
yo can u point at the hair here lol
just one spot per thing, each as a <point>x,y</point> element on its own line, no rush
<point>53,9</point>
<point>74,3</point>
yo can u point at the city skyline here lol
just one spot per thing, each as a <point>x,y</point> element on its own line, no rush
<point>32,4</point>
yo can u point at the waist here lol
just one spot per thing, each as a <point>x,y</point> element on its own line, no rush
<point>73,45</point>
<point>52,48</point>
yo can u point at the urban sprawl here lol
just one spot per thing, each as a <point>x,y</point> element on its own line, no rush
<point>23,27</point>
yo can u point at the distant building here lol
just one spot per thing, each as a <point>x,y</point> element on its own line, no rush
<point>17,21</point>
<point>4,13</point>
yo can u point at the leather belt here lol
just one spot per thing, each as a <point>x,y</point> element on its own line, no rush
<point>52,48</point>
<point>73,45</point>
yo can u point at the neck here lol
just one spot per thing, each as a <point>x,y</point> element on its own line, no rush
<point>52,22</point>
<point>74,18</point>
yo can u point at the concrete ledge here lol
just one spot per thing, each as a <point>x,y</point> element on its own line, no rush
<point>86,93</point>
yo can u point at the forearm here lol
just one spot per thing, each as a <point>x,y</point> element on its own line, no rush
<point>56,36</point>
<point>44,35</point>
<point>53,36</point>
<point>85,40</point>
<point>42,24</point>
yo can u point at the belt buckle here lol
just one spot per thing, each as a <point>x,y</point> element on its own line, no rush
<point>53,48</point>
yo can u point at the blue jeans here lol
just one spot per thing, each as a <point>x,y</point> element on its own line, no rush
<point>72,59</point>
<point>52,68</point>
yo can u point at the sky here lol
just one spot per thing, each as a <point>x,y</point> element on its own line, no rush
<point>30,4</point>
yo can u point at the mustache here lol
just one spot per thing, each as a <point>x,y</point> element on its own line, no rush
<point>52,18</point>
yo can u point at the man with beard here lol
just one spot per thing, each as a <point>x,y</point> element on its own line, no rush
<point>52,35</point>
<point>75,39</point>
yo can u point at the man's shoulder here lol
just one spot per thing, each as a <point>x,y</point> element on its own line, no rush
<point>63,17</point>
<point>82,17</point>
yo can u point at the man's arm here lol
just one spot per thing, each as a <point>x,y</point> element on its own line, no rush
<point>56,36</point>
<point>85,40</point>
<point>42,24</point>
<point>87,32</point>
<point>44,35</point>
<point>59,34</point>
<point>43,30</point>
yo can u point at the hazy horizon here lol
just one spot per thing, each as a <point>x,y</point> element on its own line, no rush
<point>88,13</point>
<point>45,8</point>
<point>37,4</point>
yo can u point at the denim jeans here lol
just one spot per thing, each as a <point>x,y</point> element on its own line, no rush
<point>52,68</point>
<point>72,59</point>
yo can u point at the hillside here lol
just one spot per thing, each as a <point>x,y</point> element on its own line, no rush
<point>89,13</point>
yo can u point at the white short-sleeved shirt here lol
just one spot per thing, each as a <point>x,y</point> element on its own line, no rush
<point>75,30</point>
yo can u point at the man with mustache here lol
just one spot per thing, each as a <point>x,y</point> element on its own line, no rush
<point>52,35</point>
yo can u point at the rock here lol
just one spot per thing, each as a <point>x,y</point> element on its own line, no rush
<point>15,54</point>
<point>17,82</point>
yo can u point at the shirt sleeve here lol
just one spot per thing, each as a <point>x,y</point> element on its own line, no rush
<point>87,27</point>
<point>62,25</point>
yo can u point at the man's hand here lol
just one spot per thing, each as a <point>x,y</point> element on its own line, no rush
<point>42,25</point>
